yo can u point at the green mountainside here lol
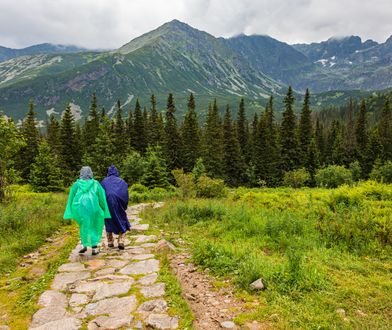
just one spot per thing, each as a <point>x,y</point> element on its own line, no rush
<point>180,59</point>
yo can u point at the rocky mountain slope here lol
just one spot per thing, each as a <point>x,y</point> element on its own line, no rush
<point>178,58</point>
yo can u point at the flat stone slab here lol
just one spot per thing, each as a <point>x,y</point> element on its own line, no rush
<point>53,298</point>
<point>153,291</point>
<point>78,299</point>
<point>86,287</point>
<point>72,267</point>
<point>142,256</point>
<point>141,267</point>
<point>149,245</point>
<point>133,250</point>
<point>61,280</point>
<point>112,306</point>
<point>106,322</point>
<point>145,238</point>
<point>95,264</point>
<point>48,314</point>
<point>113,289</point>
<point>156,306</point>
<point>162,321</point>
<point>68,323</point>
<point>115,263</point>
<point>141,227</point>
<point>105,271</point>
<point>148,279</point>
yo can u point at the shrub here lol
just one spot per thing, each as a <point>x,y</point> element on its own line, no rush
<point>355,169</point>
<point>199,169</point>
<point>138,188</point>
<point>382,173</point>
<point>132,167</point>
<point>333,176</point>
<point>210,188</point>
<point>186,183</point>
<point>296,178</point>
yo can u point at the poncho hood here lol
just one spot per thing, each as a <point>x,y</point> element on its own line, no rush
<point>112,170</point>
<point>86,185</point>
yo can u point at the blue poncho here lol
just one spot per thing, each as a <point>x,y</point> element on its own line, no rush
<point>116,190</point>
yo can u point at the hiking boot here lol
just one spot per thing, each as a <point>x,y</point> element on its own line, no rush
<point>95,250</point>
<point>110,239</point>
<point>83,250</point>
<point>121,241</point>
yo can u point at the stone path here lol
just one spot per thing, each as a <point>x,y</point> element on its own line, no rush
<point>113,290</point>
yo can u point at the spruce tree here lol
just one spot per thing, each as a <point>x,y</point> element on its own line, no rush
<point>172,136</point>
<point>234,164</point>
<point>385,131</point>
<point>190,136</point>
<point>320,141</point>
<point>91,126</point>
<point>130,129</point>
<point>45,172</point>
<point>70,150</point>
<point>154,132</point>
<point>29,151</point>
<point>349,151</point>
<point>119,135</point>
<point>212,150</point>
<point>53,135</point>
<point>305,128</point>
<point>288,136</point>
<point>312,162</point>
<point>139,141</point>
<point>242,131</point>
<point>156,171</point>
<point>374,152</point>
<point>362,138</point>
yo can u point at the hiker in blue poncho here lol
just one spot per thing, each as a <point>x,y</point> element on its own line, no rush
<point>116,190</point>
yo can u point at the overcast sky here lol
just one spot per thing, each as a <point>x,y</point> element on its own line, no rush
<point>112,23</point>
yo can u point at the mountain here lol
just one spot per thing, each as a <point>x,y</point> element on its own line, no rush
<point>178,58</point>
<point>46,48</point>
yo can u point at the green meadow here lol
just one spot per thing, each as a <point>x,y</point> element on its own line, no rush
<point>324,255</point>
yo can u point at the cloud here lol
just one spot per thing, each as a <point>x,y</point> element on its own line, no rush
<point>112,23</point>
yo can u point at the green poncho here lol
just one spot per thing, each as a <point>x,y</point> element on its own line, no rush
<point>87,205</point>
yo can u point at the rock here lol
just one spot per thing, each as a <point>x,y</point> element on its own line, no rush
<point>115,263</point>
<point>68,323</point>
<point>141,267</point>
<point>134,250</point>
<point>63,279</point>
<point>106,323</point>
<point>153,291</point>
<point>257,285</point>
<point>78,299</point>
<point>156,306</point>
<point>162,321</point>
<point>105,271</point>
<point>139,325</point>
<point>148,279</point>
<point>256,326</point>
<point>341,312</point>
<point>48,314</point>
<point>72,267</point>
<point>53,298</point>
<point>164,246</point>
<point>112,306</point>
<point>85,287</point>
<point>113,289</point>
<point>96,264</point>
<point>4,327</point>
<point>145,238</point>
<point>141,227</point>
<point>228,325</point>
<point>149,245</point>
<point>142,256</point>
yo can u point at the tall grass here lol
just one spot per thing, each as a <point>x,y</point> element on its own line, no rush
<point>25,222</point>
<point>311,247</point>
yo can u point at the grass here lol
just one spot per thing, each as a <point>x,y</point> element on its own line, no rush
<point>317,251</point>
<point>21,288</point>
<point>25,222</point>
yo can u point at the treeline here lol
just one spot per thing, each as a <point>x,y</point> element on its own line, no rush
<point>148,143</point>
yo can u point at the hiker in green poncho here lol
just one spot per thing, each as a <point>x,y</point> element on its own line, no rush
<point>88,207</point>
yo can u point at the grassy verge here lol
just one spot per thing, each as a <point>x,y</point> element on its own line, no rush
<point>21,288</point>
<point>324,255</point>
<point>25,222</point>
